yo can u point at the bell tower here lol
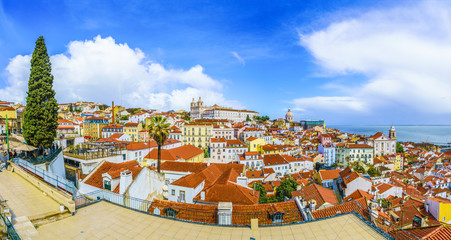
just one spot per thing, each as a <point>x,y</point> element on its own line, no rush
<point>392,133</point>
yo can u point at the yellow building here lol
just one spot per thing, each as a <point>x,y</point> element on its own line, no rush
<point>132,129</point>
<point>254,144</point>
<point>270,149</point>
<point>197,134</point>
<point>92,127</point>
<point>186,153</point>
<point>10,111</point>
<point>440,208</point>
<point>398,162</point>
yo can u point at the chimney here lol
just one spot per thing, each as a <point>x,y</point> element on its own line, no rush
<point>202,195</point>
<point>225,213</point>
<point>241,181</point>
<point>312,205</point>
<point>112,111</point>
<point>126,180</point>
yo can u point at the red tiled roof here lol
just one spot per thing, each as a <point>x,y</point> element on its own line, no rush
<point>357,195</point>
<point>215,140</point>
<point>183,152</point>
<point>439,232</point>
<point>242,214</point>
<point>131,124</point>
<point>341,208</point>
<point>191,212</point>
<point>329,174</point>
<point>176,166</point>
<point>274,159</point>
<point>96,179</point>
<point>319,193</point>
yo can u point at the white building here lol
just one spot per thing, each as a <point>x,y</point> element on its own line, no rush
<point>382,144</point>
<point>225,151</point>
<point>222,132</point>
<point>252,132</point>
<point>199,111</point>
<point>251,160</point>
<point>139,117</point>
<point>383,190</point>
<point>279,164</point>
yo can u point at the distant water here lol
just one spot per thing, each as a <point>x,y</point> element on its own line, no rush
<point>418,134</point>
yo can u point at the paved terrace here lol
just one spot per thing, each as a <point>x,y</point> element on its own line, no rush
<point>24,199</point>
<point>104,220</point>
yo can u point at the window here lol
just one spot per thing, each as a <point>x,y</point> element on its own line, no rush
<point>107,185</point>
<point>170,212</point>
<point>173,192</point>
<point>182,196</point>
<point>277,217</point>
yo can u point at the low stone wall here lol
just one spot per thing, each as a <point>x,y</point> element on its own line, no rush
<point>56,194</point>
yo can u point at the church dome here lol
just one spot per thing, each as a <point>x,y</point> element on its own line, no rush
<point>289,116</point>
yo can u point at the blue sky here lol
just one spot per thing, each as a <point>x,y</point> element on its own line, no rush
<point>348,62</point>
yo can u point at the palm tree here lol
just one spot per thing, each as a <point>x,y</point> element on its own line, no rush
<point>159,131</point>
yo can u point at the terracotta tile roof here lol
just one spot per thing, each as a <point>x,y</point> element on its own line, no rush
<point>319,193</point>
<point>383,187</point>
<point>96,180</point>
<point>177,166</point>
<point>215,140</point>
<point>255,174</point>
<point>357,195</point>
<point>131,124</point>
<point>406,215</point>
<point>359,146</point>
<point>439,232</point>
<point>191,212</point>
<point>341,208</point>
<point>242,214</point>
<point>274,159</point>
<point>189,181</point>
<point>226,191</point>
<point>353,176</point>
<point>329,174</point>
<point>183,152</point>
<point>133,146</point>
<point>234,142</point>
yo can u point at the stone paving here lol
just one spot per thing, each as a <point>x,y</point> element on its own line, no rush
<point>108,221</point>
<point>24,199</point>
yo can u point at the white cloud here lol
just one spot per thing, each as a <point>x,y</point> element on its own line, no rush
<point>239,58</point>
<point>403,53</point>
<point>102,70</point>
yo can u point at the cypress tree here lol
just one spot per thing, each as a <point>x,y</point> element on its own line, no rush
<point>41,114</point>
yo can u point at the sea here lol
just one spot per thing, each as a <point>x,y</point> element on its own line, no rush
<point>436,134</point>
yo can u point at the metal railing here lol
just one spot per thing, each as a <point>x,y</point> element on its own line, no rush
<point>119,199</point>
<point>208,214</point>
<point>10,230</point>
<point>54,180</point>
<point>40,160</point>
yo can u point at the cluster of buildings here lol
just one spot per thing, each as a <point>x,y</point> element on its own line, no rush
<point>218,154</point>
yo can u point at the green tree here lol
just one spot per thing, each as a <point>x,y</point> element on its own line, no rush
<point>372,171</point>
<point>41,114</point>
<point>125,117</point>
<point>159,131</point>
<point>206,153</point>
<point>399,148</point>
<point>262,195</point>
<point>71,109</point>
<point>284,190</point>
<point>248,118</point>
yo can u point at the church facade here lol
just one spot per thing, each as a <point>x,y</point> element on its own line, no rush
<point>382,144</point>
